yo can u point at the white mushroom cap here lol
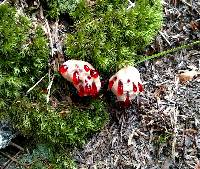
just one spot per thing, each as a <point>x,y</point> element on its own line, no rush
<point>126,83</point>
<point>83,75</point>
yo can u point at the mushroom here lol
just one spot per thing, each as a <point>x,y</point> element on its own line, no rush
<point>126,84</point>
<point>83,76</point>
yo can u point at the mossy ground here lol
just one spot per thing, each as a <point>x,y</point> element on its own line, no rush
<point>109,35</point>
<point>25,61</point>
<point>24,55</point>
<point>105,34</point>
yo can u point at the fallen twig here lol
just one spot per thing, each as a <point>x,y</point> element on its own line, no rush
<point>174,124</point>
<point>50,37</point>
<point>17,146</point>
<point>9,162</point>
<point>36,84</point>
<point>3,2</point>
<point>163,35</point>
<point>186,3</point>
<point>49,88</point>
<point>131,5</point>
<point>164,53</point>
<point>13,159</point>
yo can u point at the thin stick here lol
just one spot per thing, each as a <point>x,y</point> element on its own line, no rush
<point>36,84</point>
<point>49,88</point>
<point>48,31</point>
<point>163,35</point>
<point>13,159</point>
<point>3,2</point>
<point>174,124</point>
<point>131,5</point>
<point>50,37</point>
<point>186,3</point>
<point>145,58</point>
<point>17,146</point>
<point>9,162</point>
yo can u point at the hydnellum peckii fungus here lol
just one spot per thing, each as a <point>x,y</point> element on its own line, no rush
<point>83,76</point>
<point>126,84</point>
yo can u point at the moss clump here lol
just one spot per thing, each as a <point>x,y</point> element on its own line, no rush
<point>23,56</point>
<point>77,124</point>
<point>24,59</point>
<point>54,8</point>
<point>109,35</point>
<point>45,156</point>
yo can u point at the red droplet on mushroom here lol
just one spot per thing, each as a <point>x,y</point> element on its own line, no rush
<point>87,89</point>
<point>120,88</point>
<point>140,87</point>
<point>94,89</point>
<point>76,66</point>
<point>62,69</point>
<point>128,80</point>
<point>134,88</point>
<point>75,78</point>
<point>115,78</point>
<point>81,91</point>
<point>127,101</point>
<point>94,73</point>
<point>89,77</point>
<point>110,85</point>
<point>86,68</point>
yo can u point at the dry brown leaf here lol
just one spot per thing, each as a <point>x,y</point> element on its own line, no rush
<point>130,137</point>
<point>194,25</point>
<point>64,113</point>
<point>160,90</point>
<point>191,131</point>
<point>91,2</point>
<point>197,166</point>
<point>187,76</point>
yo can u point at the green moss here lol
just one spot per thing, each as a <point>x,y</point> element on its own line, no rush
<point>24,57</point>
<point>54,8</point>
<point>13,31</point>
<point>77,124</point>
<point>46,156</point>
<point>109,36</point>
